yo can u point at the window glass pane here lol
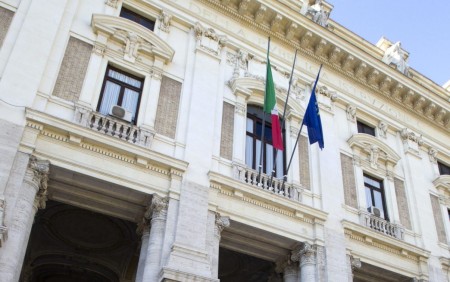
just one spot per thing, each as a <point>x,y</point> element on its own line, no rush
<point>280,166</point>
<point>249,152</point>
<point>258,154</point>
<point>130,101</point>
<point>269,159</point>
<point>268,133</point>
<point>258,129</point>
<point>378,199</point>
<point>110,97</point>
<point>372,182</point>
<point>125,13</point>
<point>368,198</point>
<point>443,169</point>
<point>124,78</point>
<point>249,125</point>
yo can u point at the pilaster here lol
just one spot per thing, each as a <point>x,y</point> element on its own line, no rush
<point>33,195</point>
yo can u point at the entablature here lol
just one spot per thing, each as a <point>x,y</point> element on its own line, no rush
<point>283,205</point>
<point>372,242</point>
<point>135,38</point>
<point>77,137</point>
<point>332,49</point>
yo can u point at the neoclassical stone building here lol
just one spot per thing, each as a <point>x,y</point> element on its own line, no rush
<point>131,131</point>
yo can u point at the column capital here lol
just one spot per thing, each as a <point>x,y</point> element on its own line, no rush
<point>221,222</point>
<point>158,207</point>
<point>37,176</point>
<point>355,263</point>
<point>305,254</point>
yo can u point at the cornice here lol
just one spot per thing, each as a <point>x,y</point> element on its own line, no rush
<point>366,236</point>
<point>343,53</point>
<point>266,199</point>
<point>134,36</point>
<point>68,131</point>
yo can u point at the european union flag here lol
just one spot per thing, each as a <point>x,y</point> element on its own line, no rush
<point>312,118</point>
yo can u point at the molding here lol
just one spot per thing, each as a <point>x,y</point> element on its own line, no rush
<point>349,58</point>
<point>137,39</point>
<point>58,129</point>
<point>367,236</point>
<point>267,200</point>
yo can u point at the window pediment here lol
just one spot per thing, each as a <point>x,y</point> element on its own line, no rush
<point>253,90</point>
<point>136,38</point>
<point>375,151</point>
<point>442,183</point>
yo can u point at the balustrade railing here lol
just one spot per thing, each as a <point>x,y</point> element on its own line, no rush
<point>383,226</point>
<point>113,127</point>
<point>276,186</point>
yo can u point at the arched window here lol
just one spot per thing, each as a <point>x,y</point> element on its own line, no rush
<point>253,143</point>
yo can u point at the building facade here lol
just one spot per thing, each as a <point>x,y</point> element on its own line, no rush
<point>130,139</point>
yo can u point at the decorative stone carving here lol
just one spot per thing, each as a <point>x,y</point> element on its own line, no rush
<point>320,47</point>
<point>429,110</point>
<point>328,93</point>
<point>276,23</point>
<point>38,171</point>
<point>156,73</point>
<point>439,116</point>
<point>159,207</point>
<point>238,61</point>
<point>407,97</point>
<point>240,109</point>
<point>382,129</point>
<point>221,222</point>
<point>335,55</point>
<point>243,7</point>
<point>347,64</point>
<point>164,21</point>
<point>406,135</point>
<point>132,43</point>
<point>112,3</point>
<point>208,40</point>
<point>373,156</point>
<point>306,254</point>
<point>373,76</point>
<point>355,263</point>
<point>432,154</point>
<point>397,56</point>
<point>351,113</point>
<point>385,85</point>
<point>318,14</point>
<point>306,39</point>
<point>361,70</point>
<point>418,104</point>
<point>143,226</point>
<point>292,29</point>
<point>260,14</point>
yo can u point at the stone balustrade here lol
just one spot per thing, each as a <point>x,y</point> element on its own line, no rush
<point>383,226</point>
<point>113,127</point>
<point>276,186</point>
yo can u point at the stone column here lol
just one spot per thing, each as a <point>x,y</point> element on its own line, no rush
<point>143,230</point>
<point>240,123</point>
<point>307,257</point>
<point>33,195</point>
<point>353,263</point>
<point>220,223</point>
<point>152,266</point>
<point>149,104</point>
<point>289,269</point>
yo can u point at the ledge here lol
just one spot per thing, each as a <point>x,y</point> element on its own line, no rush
<point>241,189</point>
<point>367,236</point>
<point>47,121</point>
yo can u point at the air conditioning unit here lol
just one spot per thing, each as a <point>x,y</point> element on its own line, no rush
<point>122,113</point>
<point>375,211</point>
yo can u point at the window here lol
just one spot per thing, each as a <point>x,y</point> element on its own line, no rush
<point>253,143</point>
<point>375,195</point>
<point>122,89</point>
<point>135,17</point>
<point>364,128</point>
<point>443,169</point>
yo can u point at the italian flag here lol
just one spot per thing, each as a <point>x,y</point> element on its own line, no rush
<point>270,107</point>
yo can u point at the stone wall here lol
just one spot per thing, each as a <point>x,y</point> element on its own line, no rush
<point>226,138</point>
<point>6,17</point>
<point>73,70</point>
<point>348,178</point>
<point>402,202</point>
<point>168,105</point>
<point>438,219</point>
<point>303,152</point>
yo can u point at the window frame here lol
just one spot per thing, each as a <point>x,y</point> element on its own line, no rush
<point>372,189</point>
<point>444,169</point>
<point>137,18</point>
<point>255,137</point>
<point>363,127</point>
<point>123,86</point>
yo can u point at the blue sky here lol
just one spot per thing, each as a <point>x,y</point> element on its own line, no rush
<point>423,27</point>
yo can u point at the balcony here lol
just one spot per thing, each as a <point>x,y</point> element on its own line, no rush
<point>250,176</point>
<point>382,226</point>
<point>113,127</point>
